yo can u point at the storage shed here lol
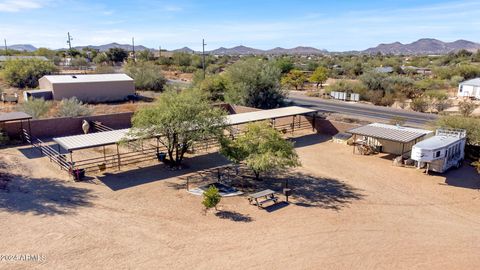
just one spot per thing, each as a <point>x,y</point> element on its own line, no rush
<point>89,88</point>
<point>390,139</point>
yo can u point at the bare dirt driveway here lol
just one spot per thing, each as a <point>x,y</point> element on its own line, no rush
<point>348,212</point>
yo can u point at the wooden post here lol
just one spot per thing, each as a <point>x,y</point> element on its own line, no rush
<point>30,132</point>
<point>293,125</point>
<point>354,142</point>
<point>314,121</point>
<point>104,155</point>
<point>72,165</point>
<point>118,156</point>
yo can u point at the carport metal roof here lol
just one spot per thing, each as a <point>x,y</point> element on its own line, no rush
<point>77,142</point>
<point>242,118</point>
<point>390,132</point>
<point>14,116</point>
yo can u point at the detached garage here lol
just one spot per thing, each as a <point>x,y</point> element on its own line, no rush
<point>89,88</point>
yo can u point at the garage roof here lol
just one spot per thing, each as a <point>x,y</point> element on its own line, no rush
<point>241,118</point>
<point>86,78</point>
<point>390,132</point>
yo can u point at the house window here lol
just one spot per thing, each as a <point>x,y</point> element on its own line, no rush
<point>437,154</point>
<point>461,88</point>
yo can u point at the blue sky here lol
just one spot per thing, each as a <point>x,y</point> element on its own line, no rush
<point>333,25</point>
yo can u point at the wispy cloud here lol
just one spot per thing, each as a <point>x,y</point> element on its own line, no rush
<point>20,5</point>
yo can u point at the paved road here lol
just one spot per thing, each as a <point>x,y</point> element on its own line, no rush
<point>362,110</point>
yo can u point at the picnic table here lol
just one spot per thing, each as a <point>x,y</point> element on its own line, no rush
<point>264,196</point>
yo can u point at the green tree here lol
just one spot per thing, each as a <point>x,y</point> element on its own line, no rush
<point>211,198</point>
<point>470,124</point>
<point>261,148</point>
<point>145,55</point>
<point>101,58</point>
<point>37,107</point>
<point>285,64</point>
<point>319,76</point>
<point>147,75</point>
<point>72,107</point>
<point>23,73</point>
<point>294,78</point>
<point>116,55</point>
<point>254,83</point>
<point>215,86</point>
<point>182,59</point>
<point>182,118</point>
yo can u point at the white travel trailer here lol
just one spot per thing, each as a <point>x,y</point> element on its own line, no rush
<point>441,152</point>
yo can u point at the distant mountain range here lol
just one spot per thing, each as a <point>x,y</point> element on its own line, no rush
<point>421,46</point>
<point>424,46</point>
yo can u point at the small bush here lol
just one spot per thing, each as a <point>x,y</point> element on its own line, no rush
<point>466,108</point>
<point>72,107</point>
<point>419,105</point>
<point>211,198</point>
<point>37,107</point>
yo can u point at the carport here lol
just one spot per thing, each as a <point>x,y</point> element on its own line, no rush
<point>18,117</point>
<point>391,139</point>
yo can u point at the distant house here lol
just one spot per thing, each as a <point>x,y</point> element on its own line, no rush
<point>384,69</point>
<point>418,70</point>
<point>4,58</point>
<point>469,89</point>
<point>87,88</point>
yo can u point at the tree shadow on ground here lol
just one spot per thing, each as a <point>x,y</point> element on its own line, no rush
<point>40,196</point>
<point>310,139</point>
<point>313,191</point>
<point>131,178</point>
<point>234,216</point>
<point>463,177</point>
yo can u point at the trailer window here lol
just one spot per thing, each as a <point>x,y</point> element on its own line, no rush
<point>437,154</point>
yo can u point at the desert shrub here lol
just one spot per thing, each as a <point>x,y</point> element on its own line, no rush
<point>147,75</point>
<point>104,69</point>
<point>72,107</point>
<point>347,86</point>
<point>466,108</point>
<point>387,100</point>
<point>431,84</point>
<point>419,104</point>
<point>23,73</point>
<point>211,198</point>
<point>37,107</point>
<point>400,85</point>
<point>215,86</point>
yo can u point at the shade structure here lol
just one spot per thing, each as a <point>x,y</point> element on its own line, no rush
<point>14,116</point>
<point>77,142</point>
<point>242,118</point>
<point>390,132</point>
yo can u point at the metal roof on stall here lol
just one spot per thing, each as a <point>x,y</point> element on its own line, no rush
<point>83,141</point>
<point>242,118</point>
<point>390,132</point>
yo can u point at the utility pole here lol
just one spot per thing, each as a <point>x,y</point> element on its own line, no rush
<point>159,52</point>
<point>203,57</point>
<point>133,48</point>
<point>69,41</point>
<point>6,48</point>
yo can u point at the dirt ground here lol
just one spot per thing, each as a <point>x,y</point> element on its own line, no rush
<point>348,212</point>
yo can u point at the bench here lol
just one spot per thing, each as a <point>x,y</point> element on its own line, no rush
<point>267,195</point>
